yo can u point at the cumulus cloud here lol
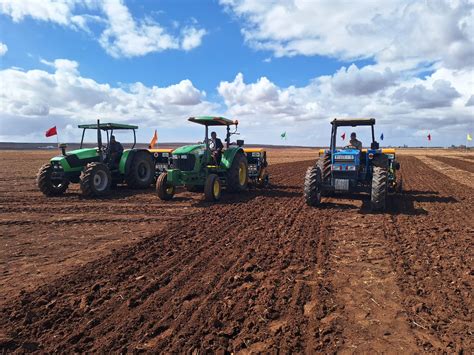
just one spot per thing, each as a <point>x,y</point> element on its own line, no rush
<point>3,49</point>
<point>122,35</point>
<point>355,81</point>
<point>441,94</point>
<point>403,109</point>
<point>399,32</point>
<point>69,97</point>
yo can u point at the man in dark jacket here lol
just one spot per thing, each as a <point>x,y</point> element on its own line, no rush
<point>115,151</point>
<point>216,147</point>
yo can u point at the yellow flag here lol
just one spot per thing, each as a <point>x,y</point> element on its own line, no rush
<point>469,137</point>
<point>154,140</point>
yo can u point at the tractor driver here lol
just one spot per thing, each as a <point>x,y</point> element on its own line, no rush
<point>115,150</point>
<point>216,147</point>
<point>355,142</point>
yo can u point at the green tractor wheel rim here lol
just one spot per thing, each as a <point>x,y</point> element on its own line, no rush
<point>242,173</point>
<point>100,180</point>
<point>216,188</point>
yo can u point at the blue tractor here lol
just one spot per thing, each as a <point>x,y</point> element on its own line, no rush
<point>351,169</point>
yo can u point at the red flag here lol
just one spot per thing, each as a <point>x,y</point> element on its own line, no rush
<point>343,136</point>
<point>51,132</point>
<point>429,137</point>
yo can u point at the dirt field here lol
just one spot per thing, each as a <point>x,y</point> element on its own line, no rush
<point>258,272</point>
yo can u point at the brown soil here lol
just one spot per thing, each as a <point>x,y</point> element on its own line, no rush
<point>259,272</point>
<point>457,163</point>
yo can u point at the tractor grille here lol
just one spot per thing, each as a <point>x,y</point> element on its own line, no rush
<point>186,164</point>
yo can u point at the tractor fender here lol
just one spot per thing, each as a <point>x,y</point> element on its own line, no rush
<point>127,159</point>
<point>228,156</point>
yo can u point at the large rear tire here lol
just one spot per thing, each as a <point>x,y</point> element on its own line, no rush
<point>47,185</point>
<point>142,172</point>
<point>378,194</point>
<point>312,186</point>
<point>163,189</point>
<point>96,180</point>
<point>212,188</point>
<point>324,164</point>
<point>237,176</point>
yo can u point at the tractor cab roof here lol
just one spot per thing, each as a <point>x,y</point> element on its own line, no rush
<point>108,126</point>
<point>212,121</point>
<point>353,122</point>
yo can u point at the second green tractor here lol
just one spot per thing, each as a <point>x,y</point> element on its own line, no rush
<point>194,167</point>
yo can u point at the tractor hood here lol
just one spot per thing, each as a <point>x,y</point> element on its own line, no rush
<point>76,159</point>
<point>187,149</point>
<point>343,152</point>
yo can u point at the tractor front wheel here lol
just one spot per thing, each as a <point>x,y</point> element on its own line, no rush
<point>141,172</point>
<point>95,180</point>
<point>237,176</point>
<point>379,188</point>
<point>312,186</point>
<point>163,189</point>
<point>49,186</point>
<point>212,188</point>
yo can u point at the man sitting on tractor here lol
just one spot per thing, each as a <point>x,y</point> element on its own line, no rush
<point>355,142</point>
<point>115,150</point>
<point>216,147</point>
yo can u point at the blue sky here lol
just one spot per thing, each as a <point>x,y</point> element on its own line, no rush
<point>275,66</point>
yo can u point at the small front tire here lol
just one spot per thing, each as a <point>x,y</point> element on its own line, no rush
<point>49,186</point>
<point>163,189</point>
<point>212,188</point>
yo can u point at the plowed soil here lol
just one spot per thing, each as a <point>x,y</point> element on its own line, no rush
<point>257,272</point>
<point>463,164</point>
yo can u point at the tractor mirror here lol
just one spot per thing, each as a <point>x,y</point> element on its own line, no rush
<point>374,145</point>
<point>240,142</point>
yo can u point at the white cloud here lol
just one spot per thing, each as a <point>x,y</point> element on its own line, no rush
<point>192,38</point>
<point>58,11</point>
<point>441,94</point>
<point>64,96</point>
<point>3,49</point>
<point>396,32</point>
<point>123,36</point>
<point>355,81</point>
<point>404,109</point>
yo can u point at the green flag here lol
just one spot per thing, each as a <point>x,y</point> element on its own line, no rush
<point>283,135</point>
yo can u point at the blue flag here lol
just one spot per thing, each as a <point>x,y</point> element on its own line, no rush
<point>381,137</point>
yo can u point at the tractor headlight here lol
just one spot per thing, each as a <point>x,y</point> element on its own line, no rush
<point>344,157</point>
<point>256,154</point>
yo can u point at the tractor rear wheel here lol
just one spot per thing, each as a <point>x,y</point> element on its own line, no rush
<point>324,164</point>
<point>141,172</point>
<point>379,188</point>
<point>163,189</point>
<point>212,188</point>
<point>312,186</point>
<point>47,185</point>
<point>237,176</point>
<point>95,180</point>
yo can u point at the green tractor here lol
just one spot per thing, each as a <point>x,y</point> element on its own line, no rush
<point>194,168</point>
<point>96,169</point>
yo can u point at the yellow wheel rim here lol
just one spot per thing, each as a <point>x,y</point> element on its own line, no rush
<point>169,190</point>
<point>217,188</point>
<point>242,174</point>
